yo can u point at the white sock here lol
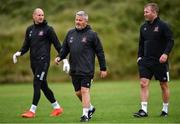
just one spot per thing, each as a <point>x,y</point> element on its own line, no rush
<point>33,108</point>
<point>165,107</point>
<point>55,105</point>
<point>144,106</point>
<point>91,107</point>
<point>85,111</point>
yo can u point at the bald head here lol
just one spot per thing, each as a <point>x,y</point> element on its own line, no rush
<point>38,16</point>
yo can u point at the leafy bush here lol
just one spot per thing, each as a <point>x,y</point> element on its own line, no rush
<point>116,21</point>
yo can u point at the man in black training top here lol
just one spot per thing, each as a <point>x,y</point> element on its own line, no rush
<point>38,39</point>
<point>155,44</point>
<point>83,44</point>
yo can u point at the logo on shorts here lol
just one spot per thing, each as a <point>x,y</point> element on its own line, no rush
<point>145,29</point>
<point>87,84</point>
<point>164,78</point>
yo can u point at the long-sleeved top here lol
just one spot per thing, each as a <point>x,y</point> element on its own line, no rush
<point>38,39</point>
<point>83,45</point>
<point>155,39</point>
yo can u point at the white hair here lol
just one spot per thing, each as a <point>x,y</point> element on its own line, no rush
<point>83,14</point>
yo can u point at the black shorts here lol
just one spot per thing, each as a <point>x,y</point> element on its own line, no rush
<point>79,81</point>
<point>160,71</point>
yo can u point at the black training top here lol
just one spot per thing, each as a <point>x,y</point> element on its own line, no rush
<point>82,46</point>
<point>155,39</point>
<point>38,39</point>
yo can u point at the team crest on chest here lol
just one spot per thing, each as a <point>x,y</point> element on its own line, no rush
<point>156,29</point>
<point>41,33</point>
<point>84,39</point>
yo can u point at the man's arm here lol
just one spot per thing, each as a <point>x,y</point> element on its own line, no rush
<point>100,55</point>
<point>141,47</point>
<point>63,52</point>
<point>24,48</point>
<point>170,43</point>
<point>62,55</point>
<point>54,39</point>
<point>26,44</point>
<point>169,39</point>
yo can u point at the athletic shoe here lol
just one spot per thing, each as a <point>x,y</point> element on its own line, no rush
<point>28,114</point>
<point>91,112</point>
<point>140,113</point>
<point>57,112</point>
<point>84,119</point>
<point>164,114</point>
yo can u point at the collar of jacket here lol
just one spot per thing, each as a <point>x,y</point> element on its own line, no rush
<point>84,29</point>
<point>154,21</point>
<point>40,24</point>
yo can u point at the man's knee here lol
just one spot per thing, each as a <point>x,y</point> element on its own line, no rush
<point>164,85</point>
<point>144,82</point>
<point>36,82</point>
<point>84,90</point>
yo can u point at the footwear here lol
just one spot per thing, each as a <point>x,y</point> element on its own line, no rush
<point>28,114</point>
<point>164,114</point>
<point>91,112</point>
<point>57,112</point>
<point>140,113</point>
<point>84,118</point>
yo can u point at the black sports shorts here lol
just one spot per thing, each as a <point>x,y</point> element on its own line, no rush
<point>81,81</point>
<point>160,71</point>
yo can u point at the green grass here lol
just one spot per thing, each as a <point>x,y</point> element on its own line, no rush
<point>115,103</point>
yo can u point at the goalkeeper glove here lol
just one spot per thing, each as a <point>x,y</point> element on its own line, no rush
<point>17,54</point>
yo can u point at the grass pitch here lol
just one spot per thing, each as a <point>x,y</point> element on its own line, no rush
<point>115,102</point>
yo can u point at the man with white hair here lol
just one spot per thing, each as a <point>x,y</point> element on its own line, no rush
<point>83,44</point>
<point>39,37</point>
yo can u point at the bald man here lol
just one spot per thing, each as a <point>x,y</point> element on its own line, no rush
<point>38,39</point>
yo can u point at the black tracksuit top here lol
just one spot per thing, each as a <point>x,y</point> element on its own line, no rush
<point>155,39</point>
<point>82,46</point>
<point>38,39</point>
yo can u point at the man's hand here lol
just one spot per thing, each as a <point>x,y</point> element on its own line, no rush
<point>163,58</point>
<point>17,54</point>
<point>103,74</point>
<point>66,66</point>
<point>57,60</point>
